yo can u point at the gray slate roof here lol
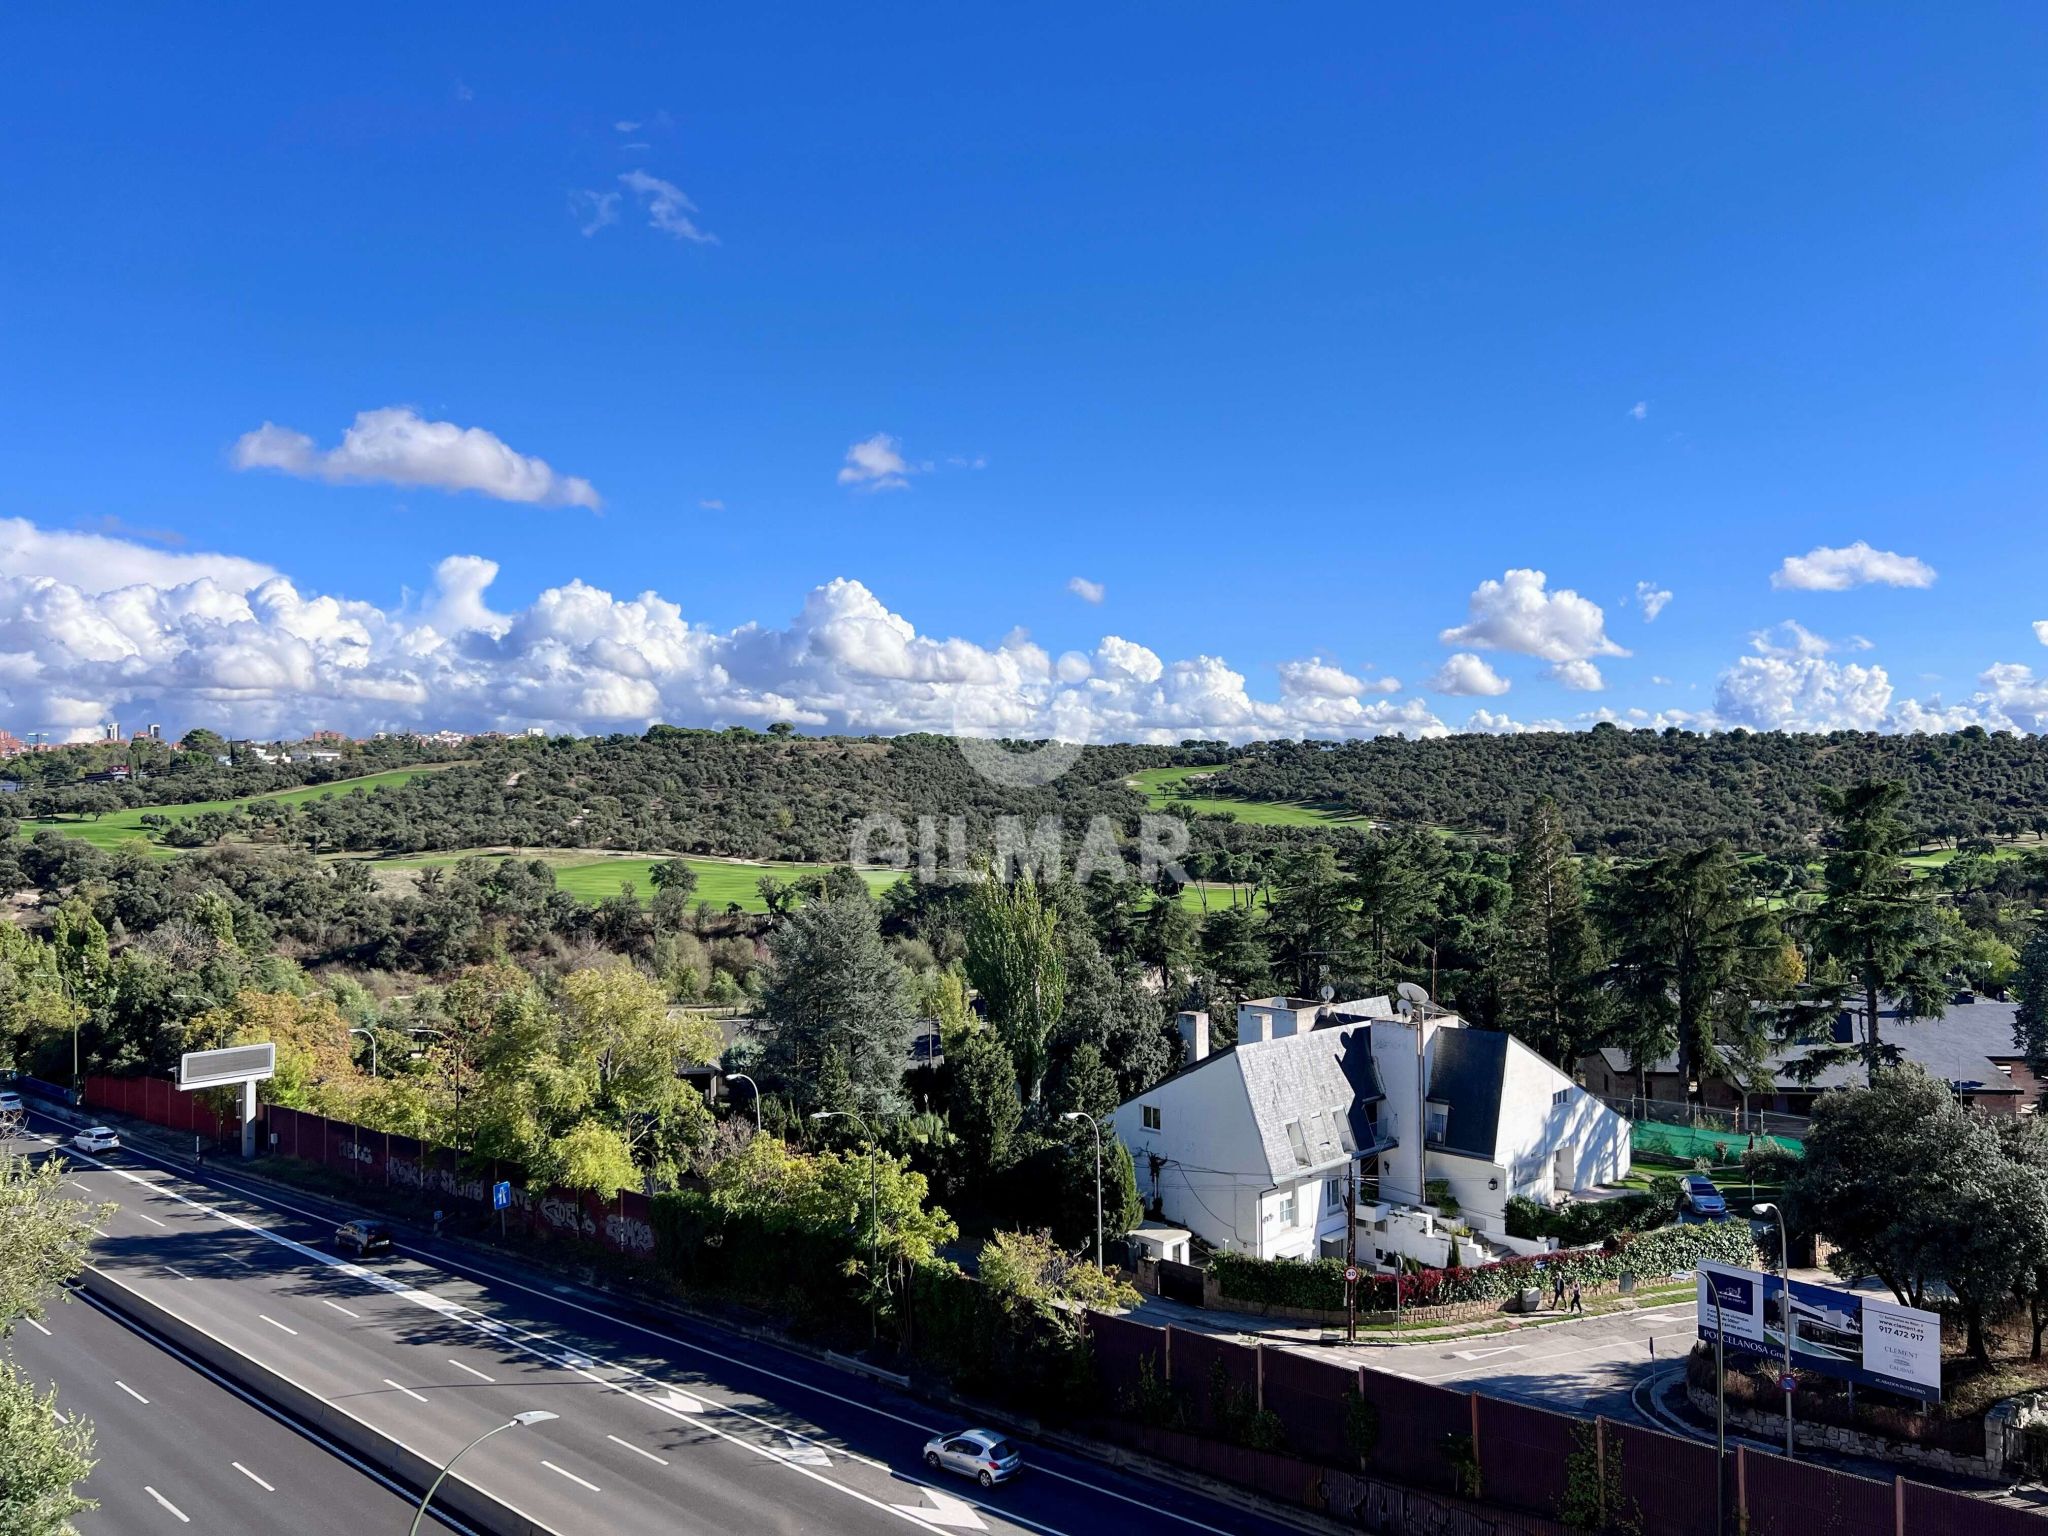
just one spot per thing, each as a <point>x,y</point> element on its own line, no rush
<point>1466,1076</point>
<point>1294,1077</point>
<point>1958,1047</point>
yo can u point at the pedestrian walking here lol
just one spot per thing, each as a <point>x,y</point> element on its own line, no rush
<point>437,1222</point>
<point>1578,1305</point>
<point>1557,1290</point>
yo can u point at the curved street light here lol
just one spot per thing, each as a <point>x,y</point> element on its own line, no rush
<point>741,1077</point>
<point>1095,1126</point>
<point>517,1421</point>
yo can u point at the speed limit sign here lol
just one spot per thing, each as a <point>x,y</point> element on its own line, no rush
<point>1351,1274</point>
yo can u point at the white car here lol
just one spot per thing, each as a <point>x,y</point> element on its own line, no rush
<point>10,1102</point>
<point>98,1138</point>
<point>985,1455</point>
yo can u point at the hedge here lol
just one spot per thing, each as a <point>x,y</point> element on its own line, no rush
<point>1318,1284</point>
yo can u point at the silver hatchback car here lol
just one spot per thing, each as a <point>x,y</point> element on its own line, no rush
<point>982,1454</point>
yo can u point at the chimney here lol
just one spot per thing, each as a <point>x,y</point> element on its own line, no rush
<point>1194,1036</point>
<point>1251,1026</point>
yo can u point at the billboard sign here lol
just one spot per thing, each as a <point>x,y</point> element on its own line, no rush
<point>1835,1332</point>
<point>230,1064</point>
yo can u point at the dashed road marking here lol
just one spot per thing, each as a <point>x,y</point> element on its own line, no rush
<point>629,1445</point>
<point>132,1392</point>
<point>344,1311</point>
<point>167,1504</point>
<point>281,1327</point>
<point>408,1391</point>
<point>479,1375</point>
<point>571,1476</point>
<point>266,1487</point>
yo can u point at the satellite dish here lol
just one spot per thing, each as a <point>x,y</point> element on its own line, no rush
<point>1328,991</point>
<point>1413,992</point>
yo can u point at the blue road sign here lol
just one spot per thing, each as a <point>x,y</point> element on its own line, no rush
<point>501,1194</point>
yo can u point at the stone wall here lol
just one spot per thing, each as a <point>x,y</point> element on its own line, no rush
<point>1770,1427</point>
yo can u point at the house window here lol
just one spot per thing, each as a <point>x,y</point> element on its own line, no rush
<point>1287,1210</point>
<point>1151,1117</point>
<point>1333,1194</point>
<point>1562,1096</point>
<point>1298,1143</point>
<point>1439,1121</point>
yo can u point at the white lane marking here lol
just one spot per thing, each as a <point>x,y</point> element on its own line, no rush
<point>945,1510</point>
<point>149,1218</point>
<point>167,1504</point>
<point>96,1232</point>
<point>177,1271</point>
<point>333,1448</point>
<point>276,1324</point>
<point>479,1375</point>
<point>408,1391</point>
<point>131,1392</point>
<point>570,1475</point>
<point>1481,1354</point>
<point>681,1402</point>
<point>344,1311</point>
<point>39,1328</point>
<point>804,1451</point>
<point>266,1487</point>
<point>58,1415</point>
<point>234,1260</point>
<point>629,1445</point>
<point>76,1185</point>
<point>513,1336</point>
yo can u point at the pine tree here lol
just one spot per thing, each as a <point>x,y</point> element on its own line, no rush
<point>2030,1021</point>
<point>1550,954</point>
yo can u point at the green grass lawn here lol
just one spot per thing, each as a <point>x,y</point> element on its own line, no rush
<point>125,826</point>
<point>592,877</point>
<point>1155,784</point>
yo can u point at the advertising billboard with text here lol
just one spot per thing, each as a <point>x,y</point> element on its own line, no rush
<point>1835,1332</point>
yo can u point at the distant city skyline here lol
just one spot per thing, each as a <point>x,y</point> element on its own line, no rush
<point>1299,372</point>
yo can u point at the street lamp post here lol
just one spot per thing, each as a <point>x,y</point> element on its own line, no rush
<point>1720,1412</point>
<point>517,1421</point>
<point>874,1215</point>
<point>373,1048</point>
<point>1095,1126</point>
<point>741,1077</point>
<point>1784,1308</point>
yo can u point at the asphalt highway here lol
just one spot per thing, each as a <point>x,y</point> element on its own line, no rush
<point>178,1449</point>
<point>661,1428</point>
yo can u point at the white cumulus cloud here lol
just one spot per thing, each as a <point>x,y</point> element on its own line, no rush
<point>877,464</point>
<point>1465,675</point>
<point>238,647</point>
<point>1086,590</point>
<point>1653,600</point>
<point>1518,614</point>
<point>1791,692</point>
<point>396,446</point>
<point>1823,569</point>
<point>1580,676</point>
<point>2041,630</point>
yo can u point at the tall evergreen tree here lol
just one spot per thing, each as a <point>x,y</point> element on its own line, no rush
<point>1694,956</point>
<point>1397,883</point>
<point>1873,921</point>
<point>1310,918</point>
<point>2030,984</point>
<point>834,992</point>
<point>1549,957</point>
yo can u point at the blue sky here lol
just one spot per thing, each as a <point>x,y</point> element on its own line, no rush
<point>1287,325</point>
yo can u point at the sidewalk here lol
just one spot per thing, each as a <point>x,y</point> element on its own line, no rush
<point>1253,1327</point>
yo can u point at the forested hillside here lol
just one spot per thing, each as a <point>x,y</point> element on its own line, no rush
<point>781,796</point>
<point>1639,792</point>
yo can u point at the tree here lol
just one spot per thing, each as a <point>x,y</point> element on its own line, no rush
<point>1397,882</point>
<point>592,1156</point>
<point>1084,1082</point>
<point>1911,1186</point>
<point>1168,938</point>
<point>1310,918</point>
<point>982,1100</point>
<point>674,875</point>
<point>1014,960</point>
<point>42,1457</point>
<point>1693,956</point>
<point>2030,983</point>
<point>1550,954</point>
<point>1873,921</point>
<point>1028,1270</point>
<point>834,991</point>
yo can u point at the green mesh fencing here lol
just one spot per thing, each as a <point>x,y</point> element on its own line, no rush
<point>1686,1142</point>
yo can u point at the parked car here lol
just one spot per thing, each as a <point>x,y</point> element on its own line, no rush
<point>1699,1198</point>
<point>10,1102</point>
<point>363,1238</point>
<point>98,1138</point>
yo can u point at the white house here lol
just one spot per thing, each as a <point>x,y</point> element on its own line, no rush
<point>1250,1148</point>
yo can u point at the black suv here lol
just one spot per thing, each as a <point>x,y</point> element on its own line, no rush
<point>364,1237</point>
